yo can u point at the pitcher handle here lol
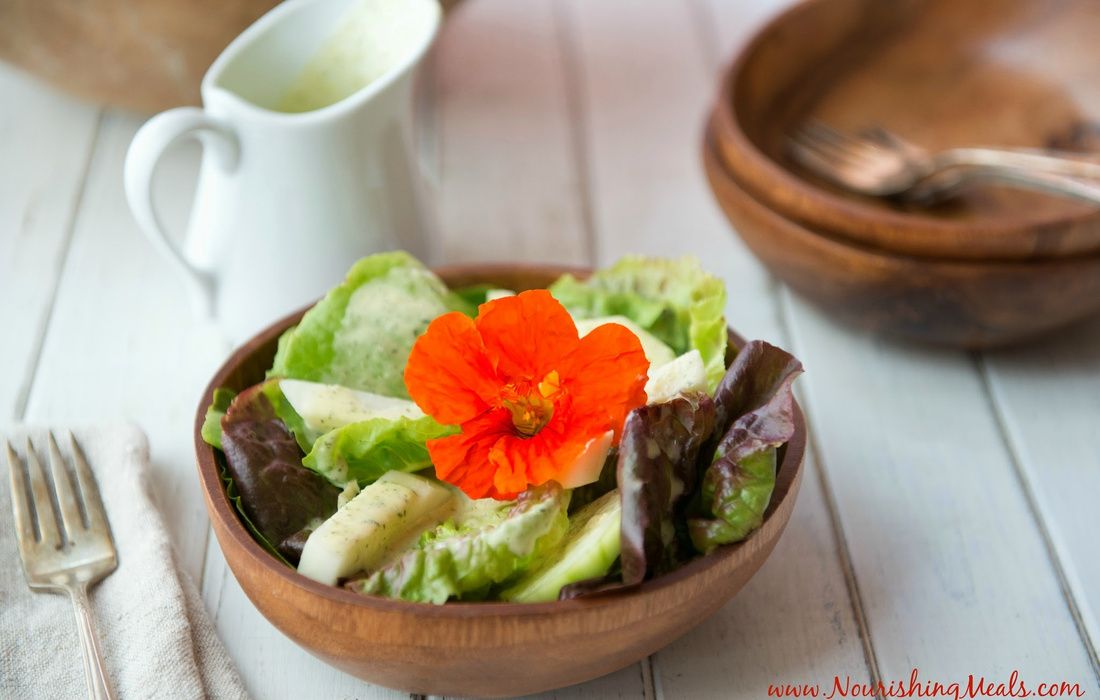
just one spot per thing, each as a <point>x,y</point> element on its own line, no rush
<point>153,139</point>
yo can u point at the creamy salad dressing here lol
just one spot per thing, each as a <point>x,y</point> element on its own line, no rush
<point>403,299</point>
<point>373,38</point>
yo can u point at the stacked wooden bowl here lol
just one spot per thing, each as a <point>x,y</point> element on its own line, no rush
<point>993,266</point>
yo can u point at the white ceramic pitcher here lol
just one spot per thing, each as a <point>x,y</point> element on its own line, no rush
<point>286,201</point>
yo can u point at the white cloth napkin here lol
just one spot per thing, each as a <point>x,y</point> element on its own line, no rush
<point>155,634</point>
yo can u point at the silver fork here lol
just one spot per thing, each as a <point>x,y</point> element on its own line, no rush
<point>880,163</point>
<point>73,558</point>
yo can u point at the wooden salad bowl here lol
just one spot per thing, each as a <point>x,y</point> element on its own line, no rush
<point>961,303</point>
<point>479,649</point>
<point>940,73</point>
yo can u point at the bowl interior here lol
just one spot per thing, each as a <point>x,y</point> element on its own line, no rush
<point>940,73</point>
<point>248,365</point>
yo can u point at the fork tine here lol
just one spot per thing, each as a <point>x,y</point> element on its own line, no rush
<point>813,158</point>
<point>43,501</point>
<point>24,521</point>
<point>857,148</point>
<point>63,487</point>
<point>821,156</point>
<point>839,138</point>
<point>93,504</point>
<point>825,148</point>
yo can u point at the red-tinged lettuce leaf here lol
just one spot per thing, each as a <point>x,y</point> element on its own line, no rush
<point>276,496</point>
<point>755,400</point>
<point>657,473</point>
<point>756,375</point>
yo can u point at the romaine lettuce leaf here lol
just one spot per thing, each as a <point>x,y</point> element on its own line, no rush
<point>755,403</point>
<point>475,295</point>
<point>368,449</point>
<point>275,494</point>
<point>675,300</point>
<point>471,515</point>
<point>361,333</point>
<point>657,472</point>
<point>212,425</point>
<point>467,564</point>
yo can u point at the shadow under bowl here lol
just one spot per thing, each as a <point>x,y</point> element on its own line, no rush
<point>960,303</point>
<point>479,649</point>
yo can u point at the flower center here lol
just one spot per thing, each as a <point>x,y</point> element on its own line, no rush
<point>532,408</point>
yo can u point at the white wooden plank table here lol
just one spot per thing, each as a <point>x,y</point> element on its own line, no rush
<point>948,522</point>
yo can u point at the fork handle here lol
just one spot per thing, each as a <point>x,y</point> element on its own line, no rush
<point>937,186</point>
<point>1054,162</point>
<point>95,672</point>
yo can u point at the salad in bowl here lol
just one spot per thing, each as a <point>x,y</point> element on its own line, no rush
<point>428,444</point>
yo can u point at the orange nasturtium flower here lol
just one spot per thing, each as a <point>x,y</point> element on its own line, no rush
<point>528,393</point>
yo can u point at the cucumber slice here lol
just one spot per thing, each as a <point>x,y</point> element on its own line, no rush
<point>590,547</point>
<point>587,466</point>
<point>325,407</point>
<point>655,351</point>
<point>359,536</point>
<point>685,373</point>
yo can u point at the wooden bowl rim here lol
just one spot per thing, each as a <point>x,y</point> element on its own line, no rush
<point>717,165</point>
<point>219,506</point>
<point>761,172</point>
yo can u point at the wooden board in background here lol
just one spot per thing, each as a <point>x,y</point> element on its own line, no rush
<point>509,186</point>
<point>122,341</point>
<point>1047,397</point>
<point>945,549</point>
<point>45,154</point>
<point>645,100</point>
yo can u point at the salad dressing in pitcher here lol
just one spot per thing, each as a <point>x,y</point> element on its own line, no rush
<point>368,41</point>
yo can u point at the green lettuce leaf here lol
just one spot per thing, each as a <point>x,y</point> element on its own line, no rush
<point>657,473</point>
<point>276,496</point>
<point>466,564</point>
<point>475,295</point>
<point>675,300</point>
<point>361,333</point>
<point>212,425</point>
<point>286,413</point>
<point>756,412</point>
<point>368,449</point>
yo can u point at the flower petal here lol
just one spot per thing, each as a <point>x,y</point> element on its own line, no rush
<point>448,374</point>
<point>520,462</point>
<point>463,459</point>
<point>606,375</point>
<point>526,335</point>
